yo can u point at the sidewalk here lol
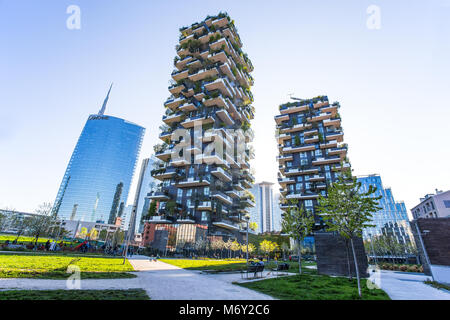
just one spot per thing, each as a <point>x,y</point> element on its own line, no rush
<point>407,286</point>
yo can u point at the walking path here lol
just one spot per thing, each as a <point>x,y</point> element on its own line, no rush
<point>407,286</point>
<point>161,281</point>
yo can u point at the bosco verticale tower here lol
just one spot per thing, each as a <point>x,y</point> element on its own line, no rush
<point>203,171</point>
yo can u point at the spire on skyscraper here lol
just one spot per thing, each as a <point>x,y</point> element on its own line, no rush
<point>102,110</point>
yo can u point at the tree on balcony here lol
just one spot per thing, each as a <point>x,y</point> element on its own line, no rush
<point>347,211</point>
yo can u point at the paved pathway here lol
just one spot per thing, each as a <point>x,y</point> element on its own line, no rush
<point>161,281</point>
<point>407,286</point>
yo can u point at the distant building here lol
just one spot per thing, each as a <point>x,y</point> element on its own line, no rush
<point>79,229</point>
<point>392,218</point>
<point>263,212</point>
<point>13,220</point>
<point>146,184</point>
<point>433,206</point>
<point>97,179</point>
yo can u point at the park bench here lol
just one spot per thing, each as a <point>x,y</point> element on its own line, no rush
<point>253,268</point>
<point>284,267</point>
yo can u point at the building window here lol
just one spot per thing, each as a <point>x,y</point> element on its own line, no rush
<point>179,195</point>
<point>204,215</point>
<point>447,203</point>
<point>206,191</point>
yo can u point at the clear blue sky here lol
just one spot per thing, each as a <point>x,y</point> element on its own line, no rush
<point>392,83</point>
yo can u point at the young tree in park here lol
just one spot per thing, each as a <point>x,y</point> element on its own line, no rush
<point>267,247</point>
<point>41,222</point>
<point>251,248</point>
<point>298,223</point>
<point>227,246</point>
<point>347,210</point>
<point>235,246</point>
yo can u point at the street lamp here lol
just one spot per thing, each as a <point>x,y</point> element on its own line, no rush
<point>247,218</point>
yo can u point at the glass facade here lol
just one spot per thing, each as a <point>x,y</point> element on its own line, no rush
<point>97,179</point>
<point>390,211</point>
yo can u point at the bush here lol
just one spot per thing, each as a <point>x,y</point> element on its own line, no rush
<point>403,268</point>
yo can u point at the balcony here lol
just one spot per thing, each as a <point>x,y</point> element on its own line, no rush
<point>220,56</point>
<point>165,174</point>
<point>220,84</point>
<point>215,101</point>
<point>203,73</point>
<point>238,186</point>
<point>294,109</point>
<point>159,219</point>
<point>194,150</point>
<point>186,39</point>
<point>217,45</point>
<point>204,205</point>
<point>317,178</point>
<point>330,144</point>
<point>281,118</point>
<point>174,103</point>
<point>165,136</point>
<point>285,181</point>
<point>321,161</point>
<point>226,225</point>
<point>312,139</point>
<point>346,166</point>
<point>176,117</point>
<point>310,132</point>
<point>225,117</point>
<point>321,116</point>
<point>222,197</point>
<point>297,171</point>
<point>332,122</point>
<point>192,182</point>
<point>221,22</point>
<point>187,107</point>
<point>222,174</point>
<point>180,162</point>
<point>176,89</point>
<point>339,137</point>
<point>282,137</point>
<point>284,158</point>
<point>209,159</point>
<point>321,104</point>
<point>302,196</point>
<point>180,75</point>
<point>201,120</point>
<point>298,149</point>
<point>295,128</point>
<point>247,203</point>
<point>163,155</point>
<point>233,194</point>
<point>341,151</point>
<point>159,195</point>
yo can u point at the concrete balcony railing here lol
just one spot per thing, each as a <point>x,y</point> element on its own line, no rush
<point>222,174</point>
<point>222,197</point>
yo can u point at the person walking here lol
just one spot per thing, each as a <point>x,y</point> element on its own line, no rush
<point>47,245</point>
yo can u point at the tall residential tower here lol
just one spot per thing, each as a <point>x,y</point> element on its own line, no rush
<point>312,152</point>
<point>204,169</point>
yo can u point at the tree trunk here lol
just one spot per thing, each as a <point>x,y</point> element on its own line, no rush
<point>356,267</point>
<point>299,257</point>
<point>348,261</point>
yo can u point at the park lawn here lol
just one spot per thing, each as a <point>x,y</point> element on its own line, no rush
<point>55,267</point>
<point>228,265</point>
<point>130,294</point>
<point>315,287</point>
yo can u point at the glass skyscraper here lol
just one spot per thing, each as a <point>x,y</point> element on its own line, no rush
<point>97,179</point>
<point>391,212</point>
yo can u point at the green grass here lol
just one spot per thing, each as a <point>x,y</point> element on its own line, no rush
<point>131,294</point>
<point>229,265</point>
<point>438,285</point>
<point>55,266</point>
<point>314,287</point>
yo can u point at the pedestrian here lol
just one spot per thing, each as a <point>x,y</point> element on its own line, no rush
<point>47,245</point>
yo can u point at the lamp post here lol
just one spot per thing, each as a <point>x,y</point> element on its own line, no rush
<point>247,218</point>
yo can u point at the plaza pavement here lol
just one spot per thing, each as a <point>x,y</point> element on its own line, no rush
<point>407,286</point>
